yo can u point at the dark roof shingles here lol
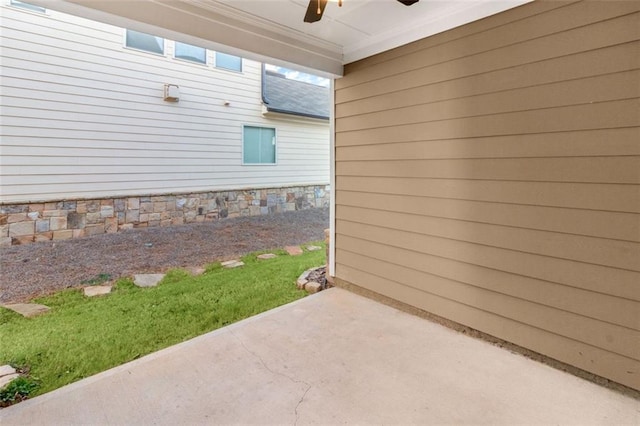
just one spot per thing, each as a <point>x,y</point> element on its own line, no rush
<point>295,97</point>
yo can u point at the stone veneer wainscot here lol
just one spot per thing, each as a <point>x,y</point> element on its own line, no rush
<point>60,220</point>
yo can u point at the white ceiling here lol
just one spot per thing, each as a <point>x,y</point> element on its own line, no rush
<point>361,28</point>
<point>274,31</point>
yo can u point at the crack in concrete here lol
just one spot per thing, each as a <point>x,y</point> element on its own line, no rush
<point>278,373</point>
<point>300,402</point>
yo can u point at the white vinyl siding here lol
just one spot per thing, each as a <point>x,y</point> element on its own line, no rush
<point>83,116</point>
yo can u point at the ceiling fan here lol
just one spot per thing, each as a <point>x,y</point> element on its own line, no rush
<point>316,8</point>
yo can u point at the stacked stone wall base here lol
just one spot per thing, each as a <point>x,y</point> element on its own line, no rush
<point>59,220</point>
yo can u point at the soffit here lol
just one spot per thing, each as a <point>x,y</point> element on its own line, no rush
<point>274,31</point>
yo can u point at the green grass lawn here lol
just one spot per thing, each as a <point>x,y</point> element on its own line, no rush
<point>82,336</point>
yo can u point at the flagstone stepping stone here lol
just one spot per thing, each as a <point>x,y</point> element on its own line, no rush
<point>266,256</point>
<point>293,250</point>
<point>97,290</point>
<point>147,280</point>
<point>5,370</point>
<point>27,310</point>
<point>7,375</point>
<point>5,380</point>
<point>314,248</point>
<point>232,263</point>
<point>195,270</point>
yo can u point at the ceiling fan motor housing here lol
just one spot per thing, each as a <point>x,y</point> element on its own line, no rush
<point>316,8</point>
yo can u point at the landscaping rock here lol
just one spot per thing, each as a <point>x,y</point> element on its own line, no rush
<point>5,370</point>
<point>313,287</point>
<point>97,290</point>
<point>309,278</point>
<point>293,250</point>
<point>195,270</point>
<point>5,380</point>
<point>232,263</point>
<point>302,279</point>
<point>314,248</point>
<point>266,256</point>
<point>301,282</point>
<point>27,310</point>
<point>147,280</point>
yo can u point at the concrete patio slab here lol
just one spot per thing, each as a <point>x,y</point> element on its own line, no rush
<point>331,358</point>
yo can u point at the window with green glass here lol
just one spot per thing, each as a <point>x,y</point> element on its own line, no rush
<point>258,145</point>
<point>146,42</point>
<point>189,52</point>
<point>228,62</point>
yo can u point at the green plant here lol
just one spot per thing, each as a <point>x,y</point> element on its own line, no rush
<point>18,390</point>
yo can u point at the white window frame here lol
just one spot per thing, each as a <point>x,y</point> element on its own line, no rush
<point>275,134</point>
<point>148,52</point>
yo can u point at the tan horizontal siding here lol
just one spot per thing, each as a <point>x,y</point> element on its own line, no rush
<point>590,143</point>
<point>591,223</point>
<point>601,88</point>
<point>607,308</point>
<point>491,175</point>
<point>598,251</point>
<point>622,169</point>
<point>612,281</point>
<point>623,29</point>
<point>602,115</point>
<point>612,59</point>
<point>621,198</point>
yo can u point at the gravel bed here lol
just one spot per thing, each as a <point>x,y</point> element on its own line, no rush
<point>41,268</point>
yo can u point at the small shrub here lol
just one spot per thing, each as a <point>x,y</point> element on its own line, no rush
<point>16,391</point>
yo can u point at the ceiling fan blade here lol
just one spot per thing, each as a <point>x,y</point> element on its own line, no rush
<point>312,14</point>
<point>408,2</point>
